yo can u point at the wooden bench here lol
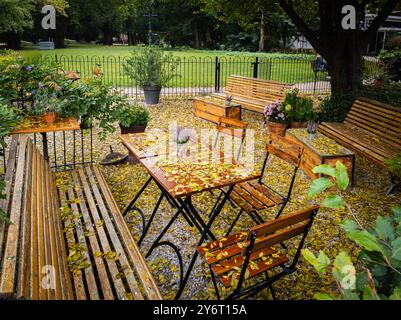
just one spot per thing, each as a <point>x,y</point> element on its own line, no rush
<point>67,240</point>
<point>46,45</point>
<point>253,94</point>
<point>371,128</point>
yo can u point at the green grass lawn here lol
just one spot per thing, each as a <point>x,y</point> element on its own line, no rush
<point>196,68</point>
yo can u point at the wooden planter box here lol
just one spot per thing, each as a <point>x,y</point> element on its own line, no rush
<point>211,109</point>
<point>321,150</point>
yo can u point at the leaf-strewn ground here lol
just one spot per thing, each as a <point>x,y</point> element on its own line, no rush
<point>367,199</point>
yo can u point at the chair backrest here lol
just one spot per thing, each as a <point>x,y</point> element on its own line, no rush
<point>280,230</point>
<point>266,91</point>
<point>378,118</point>
<point>32,247</point>
<point>284,149</point>
<point>233,127</point>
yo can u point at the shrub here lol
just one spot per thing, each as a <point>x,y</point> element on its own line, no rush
<point>335,107</point>
<point>134,115</point>
<point>241,42</point>
<point>394,165</point>
<point>392,63</point>
<point>151,67</point>
<point>389,93</point>
<point>380,257</point>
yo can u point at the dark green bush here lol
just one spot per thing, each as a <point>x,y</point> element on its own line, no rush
<point>336,107</point>
<point>389,93</point>
<point>392,63</point>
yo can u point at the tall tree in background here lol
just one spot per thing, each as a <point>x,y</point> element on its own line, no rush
<point>342,49</point>
<point>18,16</point>
<point>250,15</point>
<point>15,17</point>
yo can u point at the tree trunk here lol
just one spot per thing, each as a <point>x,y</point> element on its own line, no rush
<point>262,37</point>
<point>196,34</point>
<point>344,61</point>
<point>107,38</point>
<point>13,41</point>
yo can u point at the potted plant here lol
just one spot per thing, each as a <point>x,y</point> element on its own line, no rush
<point>46,102</point>
<point>151,69</point>
<point>133,119</point>
<point>228,100</point>
<point>277,120</point>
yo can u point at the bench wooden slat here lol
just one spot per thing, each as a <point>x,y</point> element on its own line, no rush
<point>77,279</point>
<point>252,93</point>
<point>371,128</point>
<point>34,262</point>
<point>10,256</point>
<point>89,273</point>
<point>61,247</point>
<point>146,278</point>
<point>9,180</point>
<point>24,264</point>
<point>102,228</point>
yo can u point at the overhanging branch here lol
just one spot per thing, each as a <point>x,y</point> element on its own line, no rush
<point>301,24</point>
<point>381,18</point>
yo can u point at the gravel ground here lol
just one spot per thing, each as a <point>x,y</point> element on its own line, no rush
<point>367,199</point>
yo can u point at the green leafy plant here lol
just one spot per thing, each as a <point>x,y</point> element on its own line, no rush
<point>151,67</point>
<point>93,100</point>
<point>335,107</point>
<point>389,93</point>
<point>394,165</point>
<point>392,63</point>
<point>299,108</point>
<point>134,115</point>
<point>379,278</point>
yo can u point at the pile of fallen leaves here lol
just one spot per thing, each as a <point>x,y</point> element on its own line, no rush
<point>367,198</point>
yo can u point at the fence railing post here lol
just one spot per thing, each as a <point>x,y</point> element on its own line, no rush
<point>217,75</point>
<point>256,67</point>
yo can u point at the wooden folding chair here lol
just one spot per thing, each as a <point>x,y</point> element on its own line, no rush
<point>233,128</point>
<point>254,196</point>
<point>251,254</point>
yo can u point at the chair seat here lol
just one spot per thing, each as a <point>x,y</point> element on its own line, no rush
<point>254,196</point>
<point>225,257</point>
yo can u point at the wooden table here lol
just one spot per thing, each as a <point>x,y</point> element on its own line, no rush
<point>319,149</point>
<point>179,178</point>
<point>212,109</point>
<point>37,125</point>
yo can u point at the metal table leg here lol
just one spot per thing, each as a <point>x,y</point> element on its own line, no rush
<point>203,237</point>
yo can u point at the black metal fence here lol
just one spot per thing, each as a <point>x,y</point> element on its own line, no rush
<point>204,75</point>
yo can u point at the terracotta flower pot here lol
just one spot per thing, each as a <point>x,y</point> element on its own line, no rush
<point>50,117</point>
<point>298,124</point>
<point>277,128</point>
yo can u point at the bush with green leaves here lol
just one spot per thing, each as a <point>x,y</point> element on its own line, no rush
<point>379,277</point>
<point>133,115</point>
<point>92,100</point>
<point>335,107</point>
<point>19,79</point>
<point>389,92</point>
<point>392,63</point>
<point>8,120</point>
<point>394,165</point>
<point>151,67</point>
